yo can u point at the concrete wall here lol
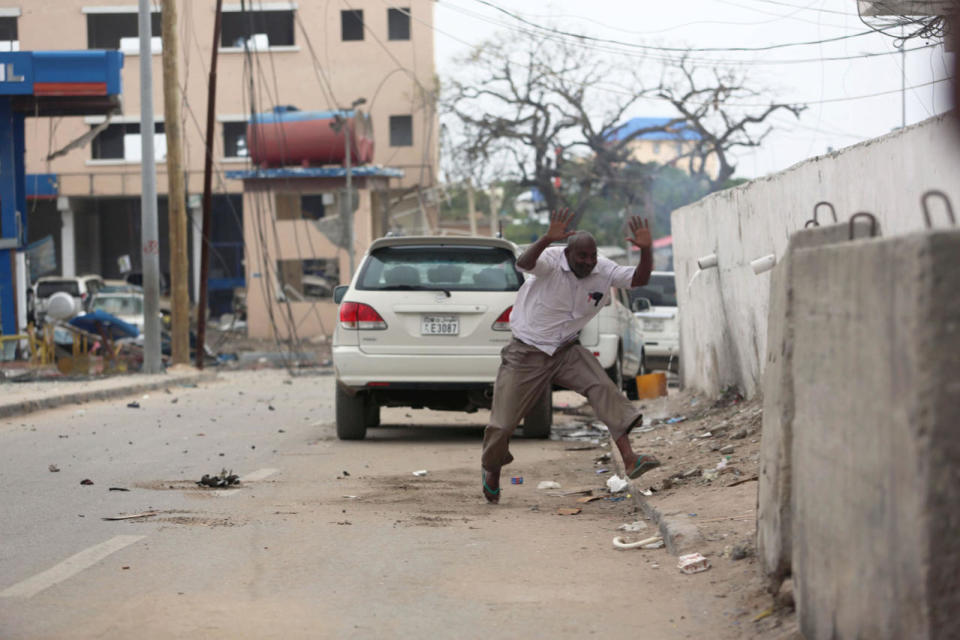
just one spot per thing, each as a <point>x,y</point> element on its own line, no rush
<point>876,485</point>
<point>723,312</point>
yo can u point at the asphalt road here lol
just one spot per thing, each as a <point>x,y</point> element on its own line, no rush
<point>321,539</point>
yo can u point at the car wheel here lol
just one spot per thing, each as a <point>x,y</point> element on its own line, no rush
<point>372,416</point>
<point>616,371</point>
<point>351,415</point>
<point>537,423</point>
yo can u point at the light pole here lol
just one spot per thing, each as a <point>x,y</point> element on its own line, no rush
<point>346,209</point>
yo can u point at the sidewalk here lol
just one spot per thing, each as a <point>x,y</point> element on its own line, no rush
<point>20,398</point>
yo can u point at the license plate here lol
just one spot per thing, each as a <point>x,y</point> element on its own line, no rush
<point>653,325</point>
<point>440,325</point>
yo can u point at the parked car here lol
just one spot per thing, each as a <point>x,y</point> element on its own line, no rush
<point>656,306</point>
<point>80,288</point>
<point>421,325</point>
<point>127,305</point>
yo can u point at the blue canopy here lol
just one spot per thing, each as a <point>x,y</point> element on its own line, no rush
<point>114,326</point>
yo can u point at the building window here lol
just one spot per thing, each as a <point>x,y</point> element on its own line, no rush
<point>351,24</point>
<point>9,41</point>
<point>235,139</point>
<point>314,207</point>
<point>398,24</point>
<point>118,30</point>
<point>261,29</point>
<point>122,142</point>
<point>401,131</point>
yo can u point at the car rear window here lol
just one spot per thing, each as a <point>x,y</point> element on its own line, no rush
<point>50,287</point>
<point>661,291</point>
<point>119,305</point>
<point>450,268</point>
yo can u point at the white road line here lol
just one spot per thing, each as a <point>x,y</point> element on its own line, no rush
<point>259,474</point>
<point>68,568</point>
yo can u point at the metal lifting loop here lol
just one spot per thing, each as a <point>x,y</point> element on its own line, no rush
<point>864,214</point>
<point>815,221</point>
<point>946,201</point>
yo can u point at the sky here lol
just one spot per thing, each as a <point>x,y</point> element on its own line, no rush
<point>838,115</point>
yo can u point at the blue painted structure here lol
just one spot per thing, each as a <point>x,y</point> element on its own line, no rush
<point>41,83</point>
<point>679,131</point>
<point>364,171</point>
<point>43,185</point>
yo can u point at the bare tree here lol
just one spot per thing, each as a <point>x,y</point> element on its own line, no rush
<point>721,111</point>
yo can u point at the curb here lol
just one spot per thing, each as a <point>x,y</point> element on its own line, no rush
<point>23,407</point>
<point>679,537</point>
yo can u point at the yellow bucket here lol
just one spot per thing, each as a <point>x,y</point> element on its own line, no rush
<point>651,385</point>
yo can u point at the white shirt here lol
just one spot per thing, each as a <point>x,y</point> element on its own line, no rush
<point>554,305</point>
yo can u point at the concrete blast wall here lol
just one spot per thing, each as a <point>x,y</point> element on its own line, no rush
<point>723,312</point>
<point>875,446</point>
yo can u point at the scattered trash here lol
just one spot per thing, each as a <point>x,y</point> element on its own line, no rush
<point>727,449</point>
<point>603,470</point>
<point>708,434</point>
<point>587,447</point>
<point>346,474</point>
<point>692,515</point>
<point>133,405</point>
<point>739,435</point>
<point>691,473</point>
<point>579,431</point>
<point>86,482</point>
<point>616,484</point>
<point>548,484</point>
<point>654,542</point>
<point>223,479</point>
<point>692,563</point>
<point>586,499</point>
<point>750,479</point>
<point>568,511</point>
<point>615,499</point>
<point>53,468</point>
<point>420,473</point>
<point>710,474</point>
<point>146,514</point>
<point>647,492</point>
<point>602,458</point>
<point>763,614</point>
<point>118,489</point>
<point>351,497</point>
<point>516,480</point>
<point>676,420</point>
<point>633,527</point>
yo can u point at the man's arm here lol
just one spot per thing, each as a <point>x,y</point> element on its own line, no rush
<point>641,238</point>
<point>556,232</point>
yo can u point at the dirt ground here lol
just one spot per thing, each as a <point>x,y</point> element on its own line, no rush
<point>710,452</point>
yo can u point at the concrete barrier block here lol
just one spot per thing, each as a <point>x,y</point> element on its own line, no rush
<point>876,479</point>
<point>774,504</point>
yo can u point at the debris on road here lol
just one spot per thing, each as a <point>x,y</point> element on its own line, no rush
<point>133,405</point>
<point>53,468</point>
<point>223,479</point>
<point>420,473</point>
<point>516,480</point>
<point>146,514</point>
<point>568,511</point>
<point>633,527</point>
<point>548,484</point>
<point>86,482</point>
<point>616,484</point>
<point>118,489</point>
<point>653,542</point>
<point>586,499</point>
<point>692,563</point>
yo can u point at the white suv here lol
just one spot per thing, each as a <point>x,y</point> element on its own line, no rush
<point>81,288</point>
<point>422,325</point>
<point>656,306</point>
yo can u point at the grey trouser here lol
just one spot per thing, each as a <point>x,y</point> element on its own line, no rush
<point>526,373</point>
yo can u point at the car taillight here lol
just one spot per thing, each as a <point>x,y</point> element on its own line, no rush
<point>503,322</point>
<point>356,315</point>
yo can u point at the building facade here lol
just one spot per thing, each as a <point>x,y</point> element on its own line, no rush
<point>311,55</point>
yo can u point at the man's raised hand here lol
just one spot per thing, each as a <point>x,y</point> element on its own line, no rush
<point>640,232</point>
<point>559,220</point>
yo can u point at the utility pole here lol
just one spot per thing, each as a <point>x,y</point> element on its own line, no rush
<point>149,236</point>
<point>176,204</point>
<point>471,207</point>
<point>496,194</point>
<point>207,186</point>
<point>346,202</point>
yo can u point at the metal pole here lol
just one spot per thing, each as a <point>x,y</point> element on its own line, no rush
<point>176,201</point>
<point>207,182</point>
<point>348,211</point>
<point>149,235</point>
<point>903,80</point>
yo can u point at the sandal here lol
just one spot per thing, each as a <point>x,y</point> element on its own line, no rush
<point>492,495</point>
<point>644,463</point>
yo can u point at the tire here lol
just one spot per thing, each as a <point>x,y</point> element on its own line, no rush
<point>537,423</point>
<point>351,415</point>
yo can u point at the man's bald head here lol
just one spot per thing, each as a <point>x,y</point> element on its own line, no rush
<point>581,253</point>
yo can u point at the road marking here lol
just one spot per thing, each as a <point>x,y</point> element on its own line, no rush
<point>259,474</point>
<point>68,568</point>
<point>253,476</point>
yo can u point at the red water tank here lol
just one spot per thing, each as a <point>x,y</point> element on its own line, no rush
<point>288,137</point>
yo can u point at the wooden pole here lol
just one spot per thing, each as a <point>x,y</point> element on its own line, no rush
<point>207,182</point>
<point>176,201</point>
